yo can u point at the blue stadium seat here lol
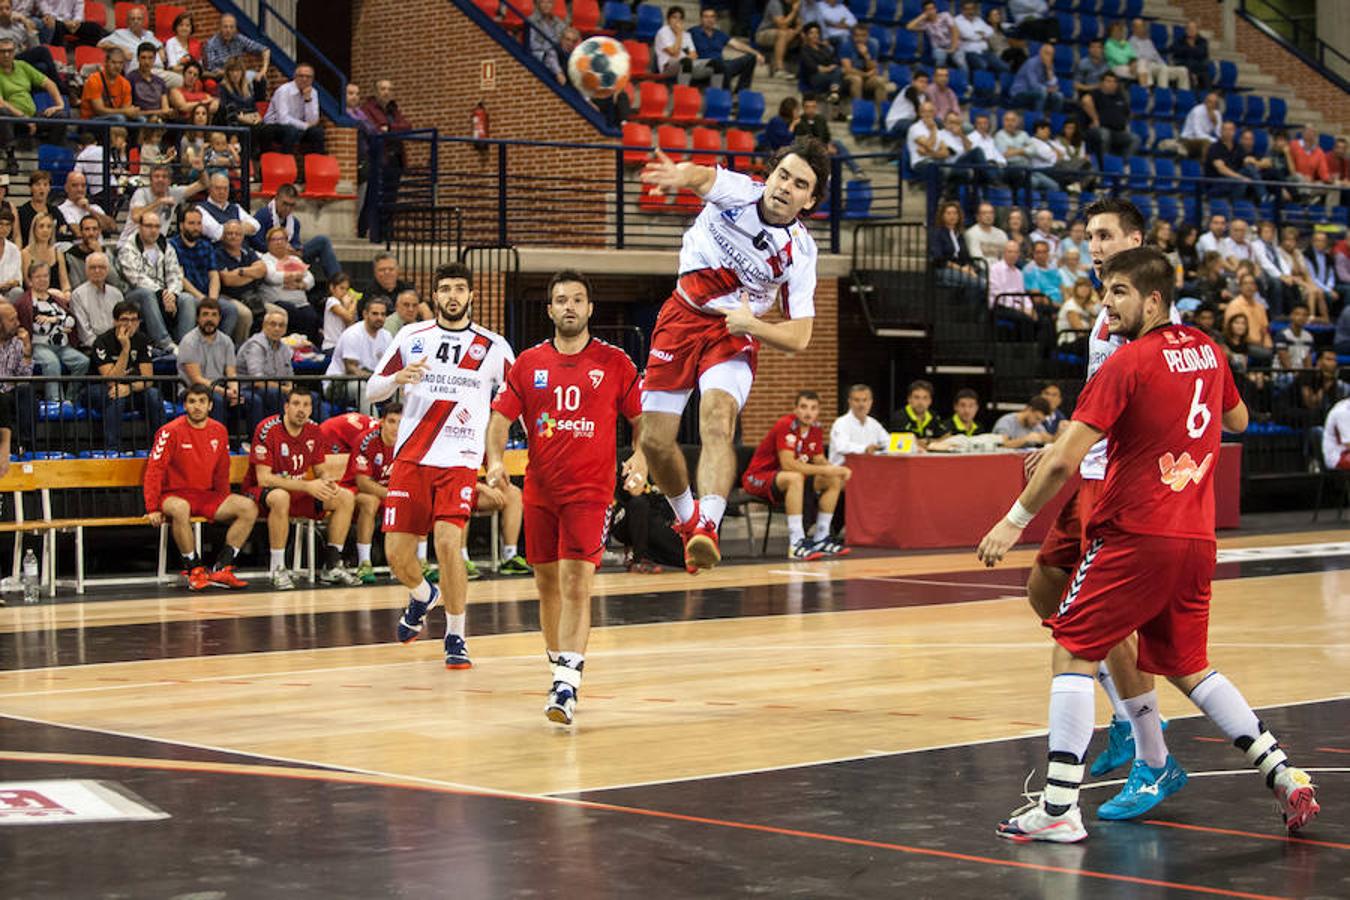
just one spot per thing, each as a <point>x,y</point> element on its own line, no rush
<point>1165,175</point>
<point>1029,121</point>
<point>1140,129</point>
<point>1168,209</point>
<point>861,9</point>
<point>1276,110</point>
<point>717,105</point>
<point>1261,142</point>
<point>1064,60</point>
<point>1234,105</point>
<point>1185,102</point>
<point>1000,197</point>
<point>1190,208</point>
<point>1327,142</point>
<point>1161,37</point>
<point>1164,103</point>
<point>1113,165</point>
<point>1057,121</point>
<point>1132,9</point>
<point>1254,115</point>
<point>857,199</point>
<point>907,48</point>
<point>1141,173</point>
<point>1223,74</point>
<point>750,109</point>
<point>650,19</point>
<point>1138,100</point>
<point>959,82</point>
<point>886,12</point>
<point>864,121</point>
<point>1245,210</point>
<point>1058,202</point>
<point>58,160</point>
<point>1108,9</point>
<point>1220,207</point>
<point>984,87</point>
<point>900,75</point>
<point>1163,131</point>
<point>1068,26</point>
<point>1145,204</point>
<point>885,38</point>
<point>617,15</point>
<point>1089,29</point>
<point>1340,215</point>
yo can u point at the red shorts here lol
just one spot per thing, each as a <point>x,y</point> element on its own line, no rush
<point>686,343</point>
<point>200,503</point>
<point>1157,586</point>
<point>1344,462</point>
<point>576,530</point>
<point>303,506</point>
<point>1063,545</point>
<point>419,496</point>
<point>762,485</point>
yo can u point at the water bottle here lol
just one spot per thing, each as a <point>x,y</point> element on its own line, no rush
<point>30,576</point>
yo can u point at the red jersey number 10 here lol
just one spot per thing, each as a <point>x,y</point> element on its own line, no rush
<point>567,398</point>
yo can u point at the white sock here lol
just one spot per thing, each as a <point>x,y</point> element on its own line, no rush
<point>362,553</point>
<point>795,531</point>
<point>422,592</point>
<point>572,659</point>
<point>454,624</point>
<point>1149,744</point>
<point>422,550</point>
<point>508,551</point>
<point>278,559</point>
<point>552,657</point>
<point>823,520</point>
<point>1226,708</point>
<point>683,504</point>
<point>1108,684</point>
<point>712,507</point>
<point>464,552</point>
<point>1070,734</point>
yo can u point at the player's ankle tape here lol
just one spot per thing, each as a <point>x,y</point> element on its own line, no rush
<point>567,675</point>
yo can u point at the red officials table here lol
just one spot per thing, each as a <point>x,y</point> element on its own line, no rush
<point>925,501</point>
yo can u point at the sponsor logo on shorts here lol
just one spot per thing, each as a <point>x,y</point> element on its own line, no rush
<point>541,378</point>
<point>662,355</point>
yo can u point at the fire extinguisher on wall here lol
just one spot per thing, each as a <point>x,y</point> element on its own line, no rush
<point>478,122</point>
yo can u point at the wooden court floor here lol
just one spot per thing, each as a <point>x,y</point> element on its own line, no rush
<point>752,668</point>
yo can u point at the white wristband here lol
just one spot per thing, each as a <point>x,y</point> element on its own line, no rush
<point>1019,516</point>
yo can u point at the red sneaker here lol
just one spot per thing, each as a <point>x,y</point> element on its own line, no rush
<point>701,550</point>
<point>226,578</point>
<point>686,531</point>
<point>198,578</point>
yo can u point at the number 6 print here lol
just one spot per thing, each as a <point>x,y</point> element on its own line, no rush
<point>1197,420</point>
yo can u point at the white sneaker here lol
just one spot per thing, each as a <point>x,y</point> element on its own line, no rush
<point>282,580</point>
<point>562,703</point>
<point>1296,797</point>
<point>1033,823</point>
<point>339,574</point>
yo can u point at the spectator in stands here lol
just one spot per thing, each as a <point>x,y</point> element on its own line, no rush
<point>675,53</point>
<point>1341,337</point>
<point>996,165</point>
<point>1187,254</point>
<point>779,30</point>
<point>155,281</point>
<point>77,205</point>
<point>1091,66</point>
<point>974,35</point>
<point>943,97</point>
<point>11,259</point>
<point>1036,85</point>
<point>1122,58</point>
<point>149,91</point>
<point>288,282</point>
<point>819,65</point>
<point>1203,125</point>
<point>1294,345</point>
<point>545,31</point>
<point>1320,264</point>
<point>813,123</point>
<point>1236,248</point>
<point>1071,269</point>
<point>1192,53</point>
<point>1212,241</point>
<point>965,407</point>
<point>1225,160</point>
<point>46,316</point>
<point>280,212</point>
<point>863,77</point>
<point>1013,142</point>
<point>1075,317</point>
<point>1338,167</point>
<point>1032,20</point>
<point>1261,347</point>
<point>187,475</point>
<point>904,109</point>
<point>19,78</point>
<point>710,42</point>
<point>1151,62</point>
<point>92,302</point>
<point>1322,388</point>
<point>218,209</point>
<point>387,283</point>
<point>293,115</point>
<point>41,246</point>
<point>197,258</point>
<point>238,101</point>
<point>1277,282</point>
<point>835,20</point>
<point>1073,154</point>
<point>1277,164</point>
<point>1108,115</point>
<point>130,38</point>
<point>39,192</point>
<point>358,353</point>
<point>1044,220</point>
<point>191,93</point>
<point>408,308</point>
<point>162,197</point>
<point>228,43</point>
<point>916,416</point>
<point>388,119</point>
<point>59,19</point>
<point>241,271</point>
<point>1309,289</point>
<point>208,358</point>
<point>944,38</point>
<point>984,239</point>
<point>1336,437</point>
<point>924,142</point>
<point>953,265</point>
<point>122,351</point>
<point>7,205</point>
<point>1005,280</point>
<point>181,47</point>
<point>107,93</point>
<point>1012,51</point>
<point>16,361</point>
<point>339,310</point>
<point>1016,224</point>
<point>1023,428</point>
<point>1042,158</point>
<point>1309,159</point>
<point>1040,275</point>
<point>1205,318</point>
<point>781,129</point>
<point>265,368</point>
<point>1052,395</point>
<point>856,431</point>
<point>1211,282</point>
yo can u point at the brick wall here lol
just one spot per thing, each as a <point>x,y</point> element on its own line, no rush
<point>780,376</point>
<point>1274,60</point>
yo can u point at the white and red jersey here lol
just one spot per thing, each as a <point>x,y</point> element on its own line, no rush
<point>184,458</point>
<point>730,249</point>
<point>343,432</point>
<point>1336,436</point>
<point>571,404</point>
<point>287,455</point>
<point>371,457</point>
<point>445,415</point>
<point>806,442</point>
<point>1160,400</point>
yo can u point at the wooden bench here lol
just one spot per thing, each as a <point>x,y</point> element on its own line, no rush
<point>45,476</point>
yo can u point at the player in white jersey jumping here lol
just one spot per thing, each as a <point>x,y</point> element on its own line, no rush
<point>746,252</point>
<point>449,370</point>
<point>1113,226</point>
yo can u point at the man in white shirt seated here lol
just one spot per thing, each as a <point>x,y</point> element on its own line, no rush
<point>984,239</point>
<point>1160,73</point>
<point>358,353</point>
<point>1336,437</point>
<point>856,431</point>
<point>1236,248</point>
<point>1202,125</point>
<point>292,119</point>
<point>1212,241</point>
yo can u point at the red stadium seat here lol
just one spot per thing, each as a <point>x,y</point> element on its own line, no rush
<point>648,202</point>
<point>88,56</point>
<point>321,178</point>
<point>688,104</point>
<point>164,16</point>
<point>277,169</point>
<point>134,160</point>
<point>740,141</point>
<point>673,140</point>
<point>513,10</point>
<point>639,136</point>
<point>707,146</point>
<point>586,17</point>
<point>639,61</point>
<point>120,11</point>
<point>96,13</point>
<point>490,7</point>
<point>689,203</point>
<point>652,100</point>
<point>59,55</point>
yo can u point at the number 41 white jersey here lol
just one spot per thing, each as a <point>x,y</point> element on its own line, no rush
<point>445,415</point>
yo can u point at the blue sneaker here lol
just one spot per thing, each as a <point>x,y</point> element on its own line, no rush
<point>456,653</point>
<point>414,617</point>
<point>1144,789</point>
<point>562,703</point>
<point>1119,748</point>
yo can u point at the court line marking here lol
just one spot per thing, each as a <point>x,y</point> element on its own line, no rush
<point>1283,838</point>
<point>973,584</point>
<point>381,780</point>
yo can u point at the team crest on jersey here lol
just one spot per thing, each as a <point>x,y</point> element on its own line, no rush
<point>285,449</point>
<point>260,451</point>
<point>417,346</point>
<point>597,376</point>
<point>309,445</point>
<point>791,440</point>
<point>477,351</point>
<point>541,378</point>
<point>215,444</point>
<point>362,461</point>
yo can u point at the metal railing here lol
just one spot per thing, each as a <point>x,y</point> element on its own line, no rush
<point>1295,34</point>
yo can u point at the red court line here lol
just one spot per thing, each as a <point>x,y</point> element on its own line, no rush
<point>1330,750</point>
<point>345,777</point>
<point>1282,838</point>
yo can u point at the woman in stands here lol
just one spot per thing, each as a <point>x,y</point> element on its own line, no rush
<point>1017,230</point>
<point>782,128</point>
<point>1189,257</point>
<point>288,282</point>
<point>192,94</point>
<point>192,147</point>
<point>182,48</point>
<point>1073,153</point>
<point>238,105</point>
<point>53,329</point>
<point>41,247</point>
<point>1075,317</point>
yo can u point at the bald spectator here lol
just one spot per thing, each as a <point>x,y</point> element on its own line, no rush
<point>130,38</point>
<point>92,303</point>
<point>292,117</point>
<point>218,209</point>
<point>408,308</point>
<point>280,213</point>
<point>77,205</point>
<point>228,43</point>
<point>1203,126</point>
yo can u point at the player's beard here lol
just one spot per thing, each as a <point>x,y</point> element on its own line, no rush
<point>198,420</point>
<point>569,330</point>
<point>443,315</point>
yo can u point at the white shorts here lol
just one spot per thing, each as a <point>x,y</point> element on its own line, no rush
<point>733,376</point>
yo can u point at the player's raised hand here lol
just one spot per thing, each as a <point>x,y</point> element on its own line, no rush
<point>412,374</point>
<point>663,174</point>
<point>741,320</point>
<point>998,542</point>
